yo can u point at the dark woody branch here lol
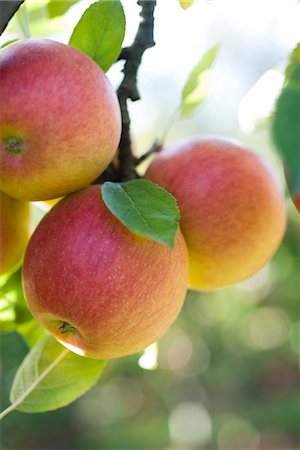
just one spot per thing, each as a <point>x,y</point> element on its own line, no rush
<point>7,10</point>
<point>128,88</point>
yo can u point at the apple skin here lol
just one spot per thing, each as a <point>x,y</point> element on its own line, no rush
<point>15,218</point>
<point>295,194</point>
<point>119,291</point>
<point>233,215</point>
<point>296,201</point>
<point>60,121</point>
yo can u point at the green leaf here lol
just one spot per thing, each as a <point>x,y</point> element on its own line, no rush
<point>100,32</point>
<point>294,62</point>
<point>144,208</point>
<point>22,18</point>
<point>59,7</point>
<point>13,307</point>
<point>198,85</point>
<point>9,42</point>
<point>51,377</point>
<point>286,123</point>
<point>185,4</point>
<point>31,332</point>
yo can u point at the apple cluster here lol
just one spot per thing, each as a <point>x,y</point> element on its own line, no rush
<point>101,290</point>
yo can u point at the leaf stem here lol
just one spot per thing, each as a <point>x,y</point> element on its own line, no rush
<point>31,388</point>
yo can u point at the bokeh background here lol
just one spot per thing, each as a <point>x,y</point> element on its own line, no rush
<point>226,375</point>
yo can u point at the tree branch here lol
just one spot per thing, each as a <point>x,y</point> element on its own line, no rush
<point>7,10</point>
<point>128,87</point>
<point>155,148</point>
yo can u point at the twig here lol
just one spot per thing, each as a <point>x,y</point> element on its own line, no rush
<point>128,87</point>
<point>7,10</point>
<point>155,148</point>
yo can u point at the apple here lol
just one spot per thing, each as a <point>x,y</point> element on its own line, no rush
<point>233,215</point>
<point>101,290</point>
<point>14,231</point>
<point>294,193</point>
<point>60,121</point>
<point>296,201</point>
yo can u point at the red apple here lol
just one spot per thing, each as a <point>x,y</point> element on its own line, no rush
<point>14,231</point>
<point>233,214</point>
<point>295,194</point>
<point>60,120</point>
<point>102,291</point>
<point>296,201</point>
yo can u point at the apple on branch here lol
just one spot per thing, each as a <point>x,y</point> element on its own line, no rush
<point>233,214</point>
<point>60,121</point>
<point>101,290</point>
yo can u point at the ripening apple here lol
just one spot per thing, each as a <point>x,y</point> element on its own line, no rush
<point>233,214</point>
<point>101,290</point>
<point>14,231</point>
<point>60,120</point>
<point>296,201</point>
<point>295,193</point>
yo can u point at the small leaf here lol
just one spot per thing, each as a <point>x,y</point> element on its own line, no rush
<point>185,4</point>
<point>100,32</point>
<point>286,124</point>
<point>144,208</point>
<point>59,7</point>
<point>198,85</point>
<point>51,377</point>
<point>9,42</point>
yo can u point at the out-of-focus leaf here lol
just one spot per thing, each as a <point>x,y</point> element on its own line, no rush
<point>13,308</point>
<point>144,208</point>
<point>31,332</point>
<point>198,85</point>
<point>185,4</point>
<point>9,42</point>
<point>22,18</point>
<point>294,62</point>
<point>286,123</point>
<point>59,7</point>
<point>51,377</point>
<point>100,32</point>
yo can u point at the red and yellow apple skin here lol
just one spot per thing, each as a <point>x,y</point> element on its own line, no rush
<point>295,194</point>
<point>233,214</point>
<point>60,120</point>
<point>296,201</point>
<point>14,231</point>
<point>101,290</point>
